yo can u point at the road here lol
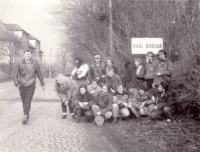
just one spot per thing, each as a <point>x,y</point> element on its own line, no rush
<point>45,131</point>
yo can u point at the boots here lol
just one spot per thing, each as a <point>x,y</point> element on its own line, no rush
<point>114,119</point>
<point>25,119</point>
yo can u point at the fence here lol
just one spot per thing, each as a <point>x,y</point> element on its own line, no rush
<point>5,67</point>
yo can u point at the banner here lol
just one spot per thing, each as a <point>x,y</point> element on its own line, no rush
<point>144,45</point>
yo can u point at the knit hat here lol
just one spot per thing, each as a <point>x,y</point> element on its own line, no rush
<point>138,59</point>
<point>99,120</point>
<point>97,56</point>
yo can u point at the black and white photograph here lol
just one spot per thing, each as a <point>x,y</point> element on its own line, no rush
<point>99,75</point>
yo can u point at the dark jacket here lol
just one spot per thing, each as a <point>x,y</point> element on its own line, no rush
<point>166,70</point>
<point>87,97</point>
<point>25,73</point>
<point>113,81</point>
<point>105,101</point>
<point>96,71</point>
<point>150,69</point>
<point>130,73</point>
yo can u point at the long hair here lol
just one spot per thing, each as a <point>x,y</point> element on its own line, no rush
<point>60,87</point>
<point>80,62</point>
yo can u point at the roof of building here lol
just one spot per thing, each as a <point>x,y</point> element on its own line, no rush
<point>14,27</point>
<point>5,34</point>
<point>31,37</point>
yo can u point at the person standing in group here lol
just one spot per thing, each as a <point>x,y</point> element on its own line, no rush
<point>96,69</point>
<point>24,74</point>
<point>139,73</point>
<point>164,71</point>
<point>112,80</point>
<point>130,74</point>
<point>109,64</point>
<point>67,89</point>
<point>80,72</point>
<point>150,69</point>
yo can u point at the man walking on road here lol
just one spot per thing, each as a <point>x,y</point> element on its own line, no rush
<point>24,74</point>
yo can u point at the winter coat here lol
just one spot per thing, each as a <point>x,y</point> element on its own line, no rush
<point>113,81</point>
<point>25,73</point>
<point>105,101</point>
<point>81,73</point>
<point>96,71</point>
<point>69,89</point>
<point>166,69</point>
<point>87,97</point>
<point>150,69</point>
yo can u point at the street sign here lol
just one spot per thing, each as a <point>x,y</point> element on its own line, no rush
<point>144,45</point>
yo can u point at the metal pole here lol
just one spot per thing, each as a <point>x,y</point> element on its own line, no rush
<point>110,29</point>
<point>50,65</point>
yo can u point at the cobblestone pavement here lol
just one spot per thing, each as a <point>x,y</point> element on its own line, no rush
<point>45,131</point>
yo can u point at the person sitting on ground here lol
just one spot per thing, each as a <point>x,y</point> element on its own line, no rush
<point>94,88</point>
<point>162,100</point>
<point>104,104</point>
<point>80,72</point>
<point>97,69</point>
<point>139,73</point>
<point>112,80</point>
<point>109,64</point>
<point>143,102</point>
<point>133,104</point>
<point>150,68</point>
<point>120,105</point>
<point>67,90</point>
<point>83,103</point>
<point>164,71</point>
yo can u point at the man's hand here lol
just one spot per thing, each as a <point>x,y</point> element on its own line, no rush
<point>81,104</point>
<point>125,104</point>
<point>66,102</point>
<point>158,74</point>
<point>85,103</point>
<point>98,113</point>
<point>113,91</point>
<point>155,108</point>
<point>43,88</point>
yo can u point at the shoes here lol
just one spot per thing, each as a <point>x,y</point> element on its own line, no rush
<point>168,120</point>
<point>73,116</point>
<point>64,117</point>
<point>25,119</point>
<point>114,120</point>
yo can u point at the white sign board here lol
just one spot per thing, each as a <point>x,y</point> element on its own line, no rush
<point>144,45</point>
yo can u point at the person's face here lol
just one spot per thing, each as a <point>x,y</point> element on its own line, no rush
<point>141,91</point>
<point>104,89</point>
<point>120,89</point>
<point>149,58</point>
<point>109,63</point>
<point>97,60</point>
<point>160,88</point>
<point>27,56</point>
<point>82,90</point>
<point>136,63</point>
<point>110,74</point>
<point>162,56</point>
<point>132,90</point>
<point>94,84</point>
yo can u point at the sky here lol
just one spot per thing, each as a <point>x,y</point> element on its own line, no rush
<point>32,15</point>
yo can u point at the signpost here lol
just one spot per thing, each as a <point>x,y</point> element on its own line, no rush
<point>144,45</point>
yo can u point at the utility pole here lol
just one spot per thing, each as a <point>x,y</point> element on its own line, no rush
<point>111,29</point>
<point>50,65</point>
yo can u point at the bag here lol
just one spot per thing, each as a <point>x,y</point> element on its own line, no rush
<point>99,120</point>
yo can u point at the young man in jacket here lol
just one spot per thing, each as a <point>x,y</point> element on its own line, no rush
<point>24,73</point>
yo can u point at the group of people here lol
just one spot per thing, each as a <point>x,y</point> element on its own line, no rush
<point>98,92</point>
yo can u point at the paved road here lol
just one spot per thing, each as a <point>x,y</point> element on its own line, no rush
<point>45,131</point>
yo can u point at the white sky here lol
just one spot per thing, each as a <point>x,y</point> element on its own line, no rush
<point>32,16</point>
